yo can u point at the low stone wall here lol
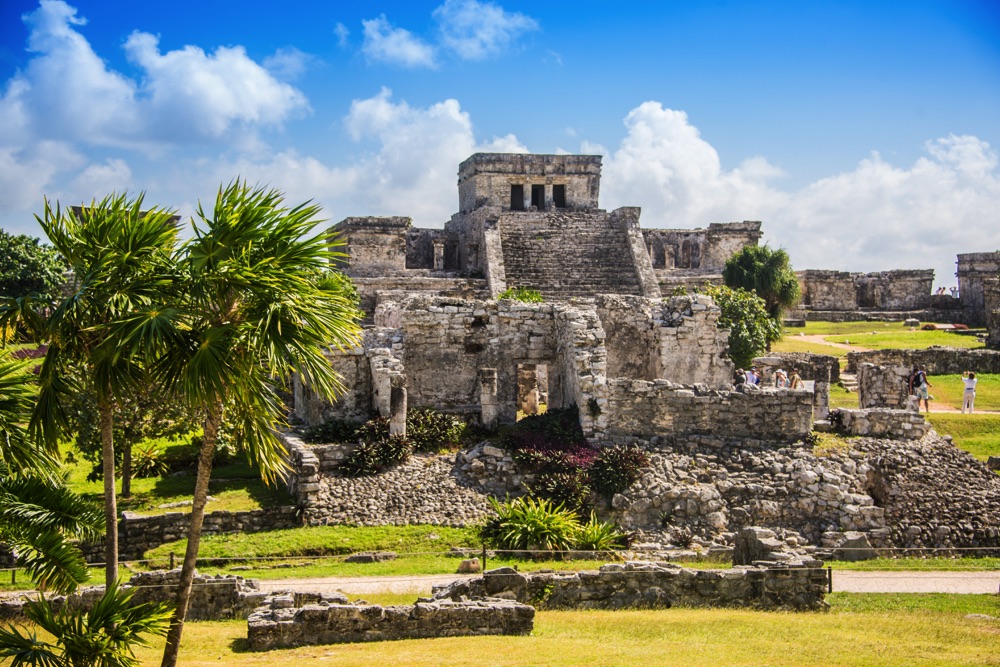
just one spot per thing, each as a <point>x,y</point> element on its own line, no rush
<point>640,409</point>
<point>213,598</point>
<point>280,624</point>
<point>942,315</point>
<point>641,585</point>
<point>939,360</point>
<point>815,367</point>
<point>881,423</point>
<point>883,387</point>
<point>138,534</point>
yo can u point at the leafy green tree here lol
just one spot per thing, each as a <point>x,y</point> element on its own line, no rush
<point>105,636</point>
<point>751,329</point>
<point>124,266</point>
<point>256,312</point>
<point>38,516</point>
<point>765,271</point>
<point>29,267</point>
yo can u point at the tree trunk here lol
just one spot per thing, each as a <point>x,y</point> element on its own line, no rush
<point>126,469</point>
<point>110,505</point>
<point>212,422</point>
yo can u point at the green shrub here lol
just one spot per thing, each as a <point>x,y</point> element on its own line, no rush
<point>525,294</point>
<point>616,468</point>
<point>372,456</point>
<point>569,489</point>
<point>148,460</point>
<point>530,524</point>
<point>430,431</point>
<point>597,535</point>
<point>332,430</point>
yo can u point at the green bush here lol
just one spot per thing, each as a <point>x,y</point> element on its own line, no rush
<point>525,294</point>
<point>148,460</point>
<point>569,489</point>
<point>374,429</point>
<point>331,430</point>
<point>371,457</point>
<point>597,535</point>
<point>616,468</point>
<point>430,431</point>
<point>530,524</point>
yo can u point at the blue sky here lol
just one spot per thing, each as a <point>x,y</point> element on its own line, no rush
<point>863,134</point>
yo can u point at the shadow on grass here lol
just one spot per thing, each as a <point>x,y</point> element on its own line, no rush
<point>240,645</point>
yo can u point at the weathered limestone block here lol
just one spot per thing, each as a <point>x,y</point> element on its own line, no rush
<point>278,625</point>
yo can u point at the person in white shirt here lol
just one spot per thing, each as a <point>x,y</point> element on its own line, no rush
<point>969,395</point>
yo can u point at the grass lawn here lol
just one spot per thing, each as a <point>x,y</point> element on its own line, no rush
<point>841,398</point>
<point>859,631</point>
<point>878,339</point>
<point>789,343</point>
<point>948,389</point>
<point>234,486</point>
<point>978,434</point>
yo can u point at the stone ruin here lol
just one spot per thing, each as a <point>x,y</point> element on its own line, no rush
<point>639,367</point>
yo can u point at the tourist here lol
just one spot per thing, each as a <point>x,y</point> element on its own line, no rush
<point>919,386</point>
<point>780,379</point>
<point>969,395</point>
<point>796,380</point>
<point>739,378</point>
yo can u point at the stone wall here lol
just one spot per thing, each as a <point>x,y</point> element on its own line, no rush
<point>641,585</point>
<point>884,387</point>
<point>283,624</point>
<point>883,290</point>
<point>643,409</point>
<point>373,245</point>
<point>956,315</point>
<point>213,598</point>
<point>991,297</point>
<point>701,249</point>
<point>881,423</point>
<point>974,269</point>
<point>138,534</point>
<point>938,360</point>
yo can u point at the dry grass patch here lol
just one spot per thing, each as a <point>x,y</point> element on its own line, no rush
<point>854,634</point>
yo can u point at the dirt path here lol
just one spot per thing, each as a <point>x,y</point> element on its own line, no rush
<point>846,581</point>
<point>820,338</point>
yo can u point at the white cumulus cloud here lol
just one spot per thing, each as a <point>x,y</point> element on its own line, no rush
<point>878,216</point>
<point>387,44</point>
<point>477,30</point>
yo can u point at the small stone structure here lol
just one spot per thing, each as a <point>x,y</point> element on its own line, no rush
<point>295,620</point>
<point>796,586</point>
<point>899,290</point>
<point>974,270</point>
<point>881,423</point>
<point>884,387</point>
<point>938,360</point>
<point>213,598</point>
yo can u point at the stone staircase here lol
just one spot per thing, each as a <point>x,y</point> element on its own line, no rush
<point>567,254</point>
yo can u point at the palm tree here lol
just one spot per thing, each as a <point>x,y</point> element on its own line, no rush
<point>38,516</point>
<point>102,637</point>
<point>257,311</point>
<point>122,259</point>
<point>766,271</point>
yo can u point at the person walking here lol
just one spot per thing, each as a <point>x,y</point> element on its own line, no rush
<point>920,387</point>
<point>969,395</point>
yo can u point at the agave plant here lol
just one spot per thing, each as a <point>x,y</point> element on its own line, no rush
<point>596,535</point>
<point>105,636</point>
<point>530,524</point>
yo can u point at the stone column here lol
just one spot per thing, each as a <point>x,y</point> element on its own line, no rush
<point>821,400</point>
<point>397,406</point>
<point>438,255</point>
<point>527,389</point>
<point>489,408</point>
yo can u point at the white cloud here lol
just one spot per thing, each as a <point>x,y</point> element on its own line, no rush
<point>67,92</point>
<point>477,30</point>
<point>412,173</point>
<point>395,46</point>
<point>288,63</point>
<point>875,217</point>
<point>342,33</point>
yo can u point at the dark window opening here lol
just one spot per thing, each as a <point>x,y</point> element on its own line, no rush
<point>695,255</point>
<point>559,196</point>
<point>538,196</point>
<point>517,197</point>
